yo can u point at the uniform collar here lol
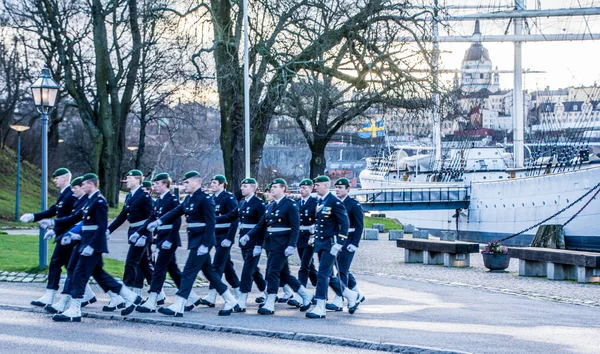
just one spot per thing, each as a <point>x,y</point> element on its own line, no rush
<point>306,199</point>
<point>278,200</point>
<point>134,190</point>
<point>342,200</point>
<point>93,194</point>
<point>248,199</point>
<point>64,189</point>
<point>162,195</point>
<point>218,194</point>
<point>325,196</point>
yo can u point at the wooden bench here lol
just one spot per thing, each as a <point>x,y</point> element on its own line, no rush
<point>557,264</point>
<point>448,253</point>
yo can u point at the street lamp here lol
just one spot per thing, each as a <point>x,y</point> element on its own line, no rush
<point>45,92</point>
<point>19,129</point>
<point>132,148</point>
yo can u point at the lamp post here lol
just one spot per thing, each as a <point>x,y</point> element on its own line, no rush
<point>45,92</point>
<point>19,129</point>
<point>133,149</point>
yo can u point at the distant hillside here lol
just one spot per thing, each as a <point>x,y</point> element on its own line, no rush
<point>30,188</point>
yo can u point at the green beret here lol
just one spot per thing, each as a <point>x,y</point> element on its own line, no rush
<point>76,182</point>
<point>342,182</point>
<point>135,173</point>
<point>60,172</point>
<point>249,181</point>
<point>147,184</point>
<point>219,178</point>
<point>160,177</point>
<point>89,176</point>
<point>268,187</point>
<point>306,182</point>
<point>191,174</point>
<point>320,179</point>
<point>279,181</point>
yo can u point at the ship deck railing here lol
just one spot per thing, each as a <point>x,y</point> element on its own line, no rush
<point>391,196</point>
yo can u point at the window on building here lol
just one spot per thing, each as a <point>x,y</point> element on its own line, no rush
<point>481,76</point>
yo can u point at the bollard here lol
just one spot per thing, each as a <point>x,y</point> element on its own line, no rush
<point>423,234</point>
<point>409,228</point>
<point>396,234</point>
<point>371,234</point>
<point>448,236</point>
<point>379,227</point>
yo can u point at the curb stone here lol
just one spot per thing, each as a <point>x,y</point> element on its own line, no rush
<point>302,337</point>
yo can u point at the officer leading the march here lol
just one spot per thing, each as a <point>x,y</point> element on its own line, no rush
<point>282,225</point>
<point>199,209</point>
<point>62,253</point>
<point>330,236</point>
<point>93,244</point>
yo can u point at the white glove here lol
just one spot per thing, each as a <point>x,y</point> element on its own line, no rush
<point>166,245</point>
<point>153,225</point>
<point>351,248</point>
<point>87,251</point>
<point>289,250</point>
<point>225,243</point>
<point>46,223</point>
<point>202,250</point>
<point>49,234</point>
<point>134,237</point>
<point>244,240</point>
<point>141,242</point>
<point>27,217</point>
<point>65,240</point>
<point>312,229</point>
<point>154,253</point>
<point>107,233</point>
<point>256,251</point>
<point>335,249</point>
<point>74,236</point>
<point>311,240</point>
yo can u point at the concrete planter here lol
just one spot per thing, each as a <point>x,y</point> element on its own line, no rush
<point>496,261</point>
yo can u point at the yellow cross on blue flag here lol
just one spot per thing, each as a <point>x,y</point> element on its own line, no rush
<point>373,129</point>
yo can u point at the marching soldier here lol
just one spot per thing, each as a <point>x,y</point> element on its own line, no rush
<point>136,210</point>
<point>307,205</point>
<point>199,209</point>
<point>267,198</point>
<point>330,236</point>
<point>60,257</point>
<point>70,239</point>
<point>93,244</point>
<point>165,241</point>
<point>346,254</point>
<point>248,212</point>
<point>225,233</point>
<point>282,225</point>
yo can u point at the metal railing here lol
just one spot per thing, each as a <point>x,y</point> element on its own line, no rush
<point>413,195</point>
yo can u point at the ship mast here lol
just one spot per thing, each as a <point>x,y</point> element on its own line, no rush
<point>517,107</point>
<point>437,127</point>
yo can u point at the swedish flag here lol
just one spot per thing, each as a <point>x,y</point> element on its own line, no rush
<point>373,129</point>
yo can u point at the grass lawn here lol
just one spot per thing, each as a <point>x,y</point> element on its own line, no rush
<point>20,254</point>
<point>390,224</point>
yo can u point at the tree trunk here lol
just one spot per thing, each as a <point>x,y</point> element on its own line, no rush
<point>317,158</point>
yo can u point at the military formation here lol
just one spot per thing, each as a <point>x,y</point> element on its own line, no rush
<point>319,223</point>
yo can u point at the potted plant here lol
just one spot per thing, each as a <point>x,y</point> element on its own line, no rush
<point>495,256</point>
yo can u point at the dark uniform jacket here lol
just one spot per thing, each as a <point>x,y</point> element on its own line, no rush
<point>307,218</point>
<point>248,214</point>
<point>279,226</point>
<point>136,210</point>
<point>61,208</point>
<point>68,222</point>
<point>332,223</point>
<point>224,204</point>
<point>165,232</point>
<point>356,217</point>
<point>199,210</point>
<point>95,221</point>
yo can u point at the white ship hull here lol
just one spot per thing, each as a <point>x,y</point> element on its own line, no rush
<point>504,207</point>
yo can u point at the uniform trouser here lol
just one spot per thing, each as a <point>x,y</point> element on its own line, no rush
<point>164,263</point>
<point>92,266</point>
<point>251,272</point>
<point>145,270</point>
<point>195,264</point>
<point>278,271</point>
<point>344,260</point>
<point>326,263</point>
<point>71,270</point>
<point>60,258</point>
<point>132,262</point>
<point>307,266</point>
<point>223,265</point>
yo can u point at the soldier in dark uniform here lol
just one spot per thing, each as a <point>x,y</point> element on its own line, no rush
<point>199,209</point>
<point>282,225</point>
<point>248,213</point>
<point>330,236</point>
<point>140,276</point>
<point>60,257</point>
<point>225,233</point>
<point>147,187</point>
<point>307,205</point>
<point>136,210</point>
<point>165,241</point>
<point>93,244</point>
<point>69,239</point>
<point>346,254</point>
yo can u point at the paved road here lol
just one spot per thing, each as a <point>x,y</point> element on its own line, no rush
<point>23,332</point>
